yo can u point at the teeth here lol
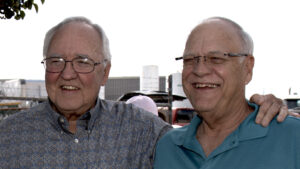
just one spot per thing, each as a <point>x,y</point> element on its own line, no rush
<point>206,85</point>
<point>70,87</point>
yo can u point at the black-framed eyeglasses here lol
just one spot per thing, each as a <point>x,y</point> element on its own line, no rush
<point>79,64</point>
<point>211,59</point>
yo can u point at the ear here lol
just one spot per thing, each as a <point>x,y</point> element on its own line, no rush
<point>106,73</point>
<point>249,68</point>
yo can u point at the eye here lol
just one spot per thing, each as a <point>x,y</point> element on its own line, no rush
<point>83,62</point>
<point>214,59</point>
<point>55,61</point>
<point>189,60</point>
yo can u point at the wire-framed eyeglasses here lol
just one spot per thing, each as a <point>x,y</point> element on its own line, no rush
<point>212,59</point>
<point>79,64</point>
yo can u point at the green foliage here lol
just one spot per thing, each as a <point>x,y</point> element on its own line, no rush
<point>15,8</point>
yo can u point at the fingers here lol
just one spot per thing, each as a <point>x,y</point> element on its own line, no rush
<point>270,113</point>
<point>269,108</point>
<point>258,99</point>
<point>294,114</point>
<point>282,113</point>
<point>262,111</point>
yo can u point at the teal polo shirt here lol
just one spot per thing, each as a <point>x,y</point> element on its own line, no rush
<point>250,146</point>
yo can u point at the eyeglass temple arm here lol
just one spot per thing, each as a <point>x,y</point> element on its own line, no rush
<point>179,58</point>
<point>237,54</point>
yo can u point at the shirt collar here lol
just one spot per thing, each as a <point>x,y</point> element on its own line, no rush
<point>248,129</point>
<point>89,117</point>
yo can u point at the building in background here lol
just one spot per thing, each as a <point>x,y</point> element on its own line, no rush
<point>149,79</point>
<point>114,88</point>
<point>117,86</point>
<point>16,94</point>
<point>23,88</point>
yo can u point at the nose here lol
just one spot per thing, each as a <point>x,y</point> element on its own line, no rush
<point>200,59</point>
<point>202,67</point>
<point>68,72</point>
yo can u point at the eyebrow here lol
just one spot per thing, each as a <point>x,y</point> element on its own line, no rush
<point>188,54</point>
<point>210,52</point>
<point>82,56</point>
<point>214,51</point>
<point>54,55</point>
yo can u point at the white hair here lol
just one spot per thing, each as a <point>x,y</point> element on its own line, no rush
<point>246,39</point>
<point>105,43</point>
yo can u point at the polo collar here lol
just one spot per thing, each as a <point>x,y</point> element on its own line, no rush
<point>247,130</point>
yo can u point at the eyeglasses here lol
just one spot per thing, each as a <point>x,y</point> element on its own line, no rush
<point>211,59</point>
<point>80,64</point>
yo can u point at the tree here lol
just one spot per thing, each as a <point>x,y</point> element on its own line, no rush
<point>10,8</point>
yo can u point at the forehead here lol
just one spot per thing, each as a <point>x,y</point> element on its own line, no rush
<point>213,36</point>
<point>75,38</point>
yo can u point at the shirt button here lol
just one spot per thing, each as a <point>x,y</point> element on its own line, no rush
<point>61,120</point>
<point>76,140</point>
<point>89,131</point>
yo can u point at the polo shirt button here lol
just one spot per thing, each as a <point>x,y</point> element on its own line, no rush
<point>76,140</point>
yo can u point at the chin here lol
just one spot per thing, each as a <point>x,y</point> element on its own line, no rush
<point>68,104</point>
<point>204,106</point>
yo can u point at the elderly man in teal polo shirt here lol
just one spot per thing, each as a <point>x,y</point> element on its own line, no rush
<point>217,65</point>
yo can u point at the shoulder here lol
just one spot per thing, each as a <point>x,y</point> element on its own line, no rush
<point>290,122</point>
<point>23,119</point>
<point>288,128</point>
<point>129,111</point>
<point>175,136</point>
<point>167,145</point>
<point>133,116</point>
<point>20,126</point>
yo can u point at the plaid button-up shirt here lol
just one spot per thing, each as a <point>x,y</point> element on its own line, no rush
<point>111,135</point>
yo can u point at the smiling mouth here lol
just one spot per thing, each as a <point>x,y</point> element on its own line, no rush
<point>69,88</point>
<point>205,85</point>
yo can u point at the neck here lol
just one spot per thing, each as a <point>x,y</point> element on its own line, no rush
<point>225,119</point>
<point>70,115</point>
<point>216,126</point>
<point>72,119</point>
<point>72,126</point>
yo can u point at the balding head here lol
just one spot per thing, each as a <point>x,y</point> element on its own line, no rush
<point>225,29</point>
<point>104,44</point>
<point>217,65</point>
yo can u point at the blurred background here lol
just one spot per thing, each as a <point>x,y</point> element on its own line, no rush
<point>145,37</point>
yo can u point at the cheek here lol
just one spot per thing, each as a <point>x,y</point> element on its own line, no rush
<point>88,81</point>
<point>227,74</point>
<point>50,82</point>
<point>186,72</point>
<point>91,82</point>
<point>184,79</point>
<point>233,78</point>
<point>51,79</point>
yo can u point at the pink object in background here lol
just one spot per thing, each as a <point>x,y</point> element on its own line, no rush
<point>144,102</point>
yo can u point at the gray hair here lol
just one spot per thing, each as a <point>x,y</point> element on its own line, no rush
<point>103,37</point>
<point>244,36</point>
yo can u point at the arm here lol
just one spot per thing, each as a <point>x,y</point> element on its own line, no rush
<point>270,106</point>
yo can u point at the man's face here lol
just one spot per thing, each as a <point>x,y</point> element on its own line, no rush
<point>69,91</point>
<point>212,87</point>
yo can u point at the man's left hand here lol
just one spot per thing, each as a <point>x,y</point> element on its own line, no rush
<point>270,106</point>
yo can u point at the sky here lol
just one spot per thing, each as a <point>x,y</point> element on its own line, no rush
<point>153,32</point>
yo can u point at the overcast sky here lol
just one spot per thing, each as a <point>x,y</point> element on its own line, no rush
<point>153,32</point>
